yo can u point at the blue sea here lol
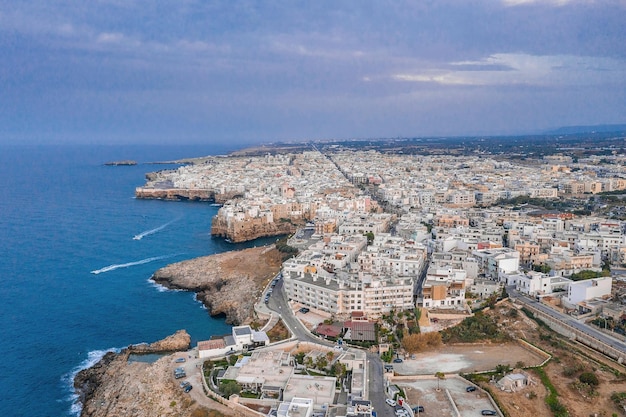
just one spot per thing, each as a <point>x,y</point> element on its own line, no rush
<point>64,215</point>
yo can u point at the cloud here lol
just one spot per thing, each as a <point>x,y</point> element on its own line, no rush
<point>523,69</point>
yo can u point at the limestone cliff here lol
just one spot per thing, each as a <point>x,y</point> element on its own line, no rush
<point>227,283</point>
<point>250,229</point>
<point>179,194</point>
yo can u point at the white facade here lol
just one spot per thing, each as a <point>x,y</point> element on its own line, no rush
<point>588,289</point>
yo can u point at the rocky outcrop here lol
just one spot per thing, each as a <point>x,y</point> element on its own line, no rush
<point>116,387</point>
<point>176,342</point>
<point>121,163</point>
<point>227,283</point>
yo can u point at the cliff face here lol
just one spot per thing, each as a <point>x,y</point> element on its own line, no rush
<point>227,283</point>
<point>115,387</point>
<point>250,229</point>
<point>178,194</point>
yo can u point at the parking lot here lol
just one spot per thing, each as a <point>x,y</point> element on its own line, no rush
<point>452,393</point>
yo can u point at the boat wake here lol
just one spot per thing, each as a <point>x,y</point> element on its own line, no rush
<point>93,357</point>
<point>128,264</point>
<point>153,231</point>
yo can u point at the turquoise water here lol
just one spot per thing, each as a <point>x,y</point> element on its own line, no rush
<point>63,214</point>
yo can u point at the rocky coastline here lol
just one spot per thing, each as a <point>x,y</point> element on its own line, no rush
<point>114,386</point>
<point>226,283</point>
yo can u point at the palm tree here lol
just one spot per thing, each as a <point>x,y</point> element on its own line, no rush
<point>439,376</point>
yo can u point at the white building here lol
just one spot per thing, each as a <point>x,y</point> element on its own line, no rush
<point>588,289</point>
<point>242,338</point>
<point>536,283</point>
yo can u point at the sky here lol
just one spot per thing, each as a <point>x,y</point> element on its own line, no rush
<point>186,71</point>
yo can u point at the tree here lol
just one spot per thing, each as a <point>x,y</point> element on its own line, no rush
<point>229,387</point>
<point>299,357</point>
<point>370,237</point>
<point>321,362</point>
<point>439,376</point>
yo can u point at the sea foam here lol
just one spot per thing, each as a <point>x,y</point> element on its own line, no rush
<point>93,358</point>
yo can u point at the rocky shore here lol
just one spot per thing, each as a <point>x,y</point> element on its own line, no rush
<point>227,283</point>
<point>115,387</point>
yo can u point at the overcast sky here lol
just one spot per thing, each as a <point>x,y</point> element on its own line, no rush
<point>129,71</point>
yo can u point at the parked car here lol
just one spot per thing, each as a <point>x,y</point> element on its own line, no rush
<point>304,310</point>
<point>418,409</point>
<point>397,360</point>
<point>470,389</point>
<point>488,413</point>
<point>179,360</point>
<point>390,402</point>
<point>184,384</point>
<point>188,388</point>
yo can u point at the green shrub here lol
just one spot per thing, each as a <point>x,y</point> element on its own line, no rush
<point>589,378</point>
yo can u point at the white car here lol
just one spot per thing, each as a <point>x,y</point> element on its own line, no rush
<point>390,402</point>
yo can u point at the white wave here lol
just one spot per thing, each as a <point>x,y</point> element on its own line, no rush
<point>161,288</point>
<point>93,358</point>
<point>153,231</point>
<point>126,265</point>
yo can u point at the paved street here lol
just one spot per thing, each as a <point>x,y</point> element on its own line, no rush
<point>278,304</point>
<point>614,342</point>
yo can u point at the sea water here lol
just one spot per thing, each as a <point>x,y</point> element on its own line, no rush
<point>76,254</point>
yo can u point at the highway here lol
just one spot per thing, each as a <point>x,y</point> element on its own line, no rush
<point>614,342</point>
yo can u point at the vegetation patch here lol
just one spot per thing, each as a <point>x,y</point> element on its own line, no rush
<point>278,332</point>
<point>472,329</point>
<point>558,409</point>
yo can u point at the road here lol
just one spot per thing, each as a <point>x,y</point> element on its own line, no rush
<point>564,318</point>
<point>374,374</point>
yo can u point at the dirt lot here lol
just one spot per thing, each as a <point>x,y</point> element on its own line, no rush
<point>569,360</point>
<point>465,358</point>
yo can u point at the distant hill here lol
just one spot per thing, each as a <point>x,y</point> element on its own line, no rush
<point>570,130</point>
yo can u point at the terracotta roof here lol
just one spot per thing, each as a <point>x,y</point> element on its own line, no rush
<point>211,344</point>
<point>328,330</point>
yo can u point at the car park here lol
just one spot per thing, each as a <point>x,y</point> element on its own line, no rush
<point>488,413</point>
<point>470,389</point>
<point>188,388</point>
<point>390,402</point>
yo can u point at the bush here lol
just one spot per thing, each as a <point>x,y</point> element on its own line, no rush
<point>589,378</point>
